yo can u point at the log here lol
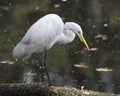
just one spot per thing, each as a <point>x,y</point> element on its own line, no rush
<point>39,89</point>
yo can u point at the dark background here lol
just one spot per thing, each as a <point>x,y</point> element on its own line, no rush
<point>96,17</point>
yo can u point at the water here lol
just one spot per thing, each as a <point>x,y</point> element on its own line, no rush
<point>68,65</point>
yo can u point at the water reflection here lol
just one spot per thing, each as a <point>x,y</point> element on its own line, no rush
<point>100,23</point>
<point>28,75</point>
<point>106,78</point>
<point>62,80</point>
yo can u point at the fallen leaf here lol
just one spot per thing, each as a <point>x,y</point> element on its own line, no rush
<point>3,62</point>
<point>56,5</point>
<point>10,62</point>
<point>103,37</point>
<point>81,65</point>
<point>93,49</point>
<point>7,62</point>
<point>103,69</point>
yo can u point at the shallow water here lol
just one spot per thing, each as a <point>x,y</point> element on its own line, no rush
<point>68,65</point>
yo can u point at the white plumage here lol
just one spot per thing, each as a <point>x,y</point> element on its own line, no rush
<point>44,33</point>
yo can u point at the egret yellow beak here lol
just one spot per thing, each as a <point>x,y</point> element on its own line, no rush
<point>84,41</point>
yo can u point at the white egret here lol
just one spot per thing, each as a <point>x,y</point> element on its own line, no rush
<point>44,33</point>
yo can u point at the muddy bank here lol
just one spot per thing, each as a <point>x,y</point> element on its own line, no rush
<point>39,89</point>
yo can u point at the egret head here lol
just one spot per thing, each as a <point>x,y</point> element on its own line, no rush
<point>77,30</point>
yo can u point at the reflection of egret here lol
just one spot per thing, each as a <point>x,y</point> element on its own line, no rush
<point>43,34</point>
<point>28,75</point>
<point>106,78</point>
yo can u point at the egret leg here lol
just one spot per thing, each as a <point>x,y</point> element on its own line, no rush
<point>43,65</point>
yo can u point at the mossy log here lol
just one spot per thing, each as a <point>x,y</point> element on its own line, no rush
<point>39,89</point>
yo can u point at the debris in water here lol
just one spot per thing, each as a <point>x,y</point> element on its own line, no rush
<point>81,65</point>
<point>93,49</point>
<point>37,8</point>
<point>103,69</point>
<point>105,25</point>
<point>7,62</point>
<point>3,62</point>
<point>56,5</point>
<point>103,37</point>
<point>10,62</point>
<point>64,0</point>
<point>16,59</point>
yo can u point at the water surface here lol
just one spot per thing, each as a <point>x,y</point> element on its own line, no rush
<point>68,65</point>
